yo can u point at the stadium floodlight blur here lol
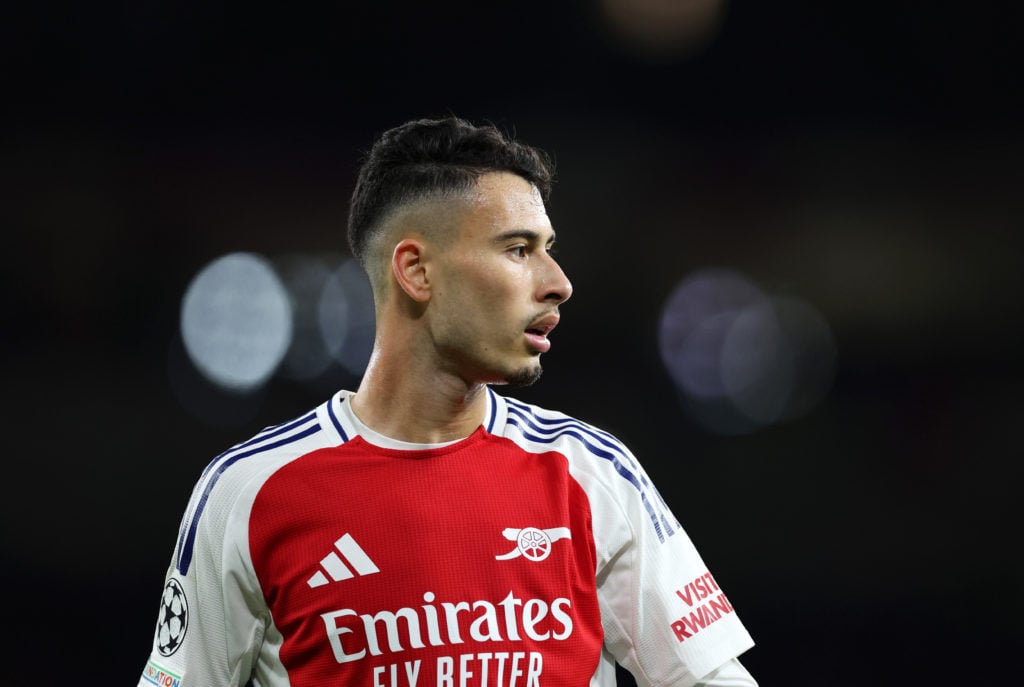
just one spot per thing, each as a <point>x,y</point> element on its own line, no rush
<point>665,28</point>
<point>236,321</point>
<point>245,319</point>
<point>305,276</point>
<point>741,358</point>
<point>346,316</point>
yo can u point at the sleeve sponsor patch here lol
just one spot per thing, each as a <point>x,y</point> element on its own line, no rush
<point>705,605</point>
<point>155,674</point>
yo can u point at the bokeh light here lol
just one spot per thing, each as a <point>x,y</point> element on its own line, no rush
<point>665,28</point>
<point>346,316</point>
<point>236,321</point>
<point>245,319</point>
<point>742,358</point>
<point>305,277</point>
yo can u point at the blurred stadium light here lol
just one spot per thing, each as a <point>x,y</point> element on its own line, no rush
<point>236,321</point>
<point>346,314</point>
<point>665,28</point>
<point>741,358</point>
<point>245,318</point>
<point>305,277</point>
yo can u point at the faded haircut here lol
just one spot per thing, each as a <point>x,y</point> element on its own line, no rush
<point>432,158</point>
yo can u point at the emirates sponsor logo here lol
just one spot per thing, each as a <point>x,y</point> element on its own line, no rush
<point>354,636</point>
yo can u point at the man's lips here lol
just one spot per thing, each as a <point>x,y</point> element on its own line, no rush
<point>537,332</point>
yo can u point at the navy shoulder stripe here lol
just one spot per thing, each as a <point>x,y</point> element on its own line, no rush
<point>494,410</point>
<point>336,422</point>
<point>270,438</point>
<point>547,430</point>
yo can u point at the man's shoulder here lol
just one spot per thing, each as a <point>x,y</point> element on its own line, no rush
<point>231,480</point>
<point>526,409</point>
<point>545,425</point>
<point>271,446</point>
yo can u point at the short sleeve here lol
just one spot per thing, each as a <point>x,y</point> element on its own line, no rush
<point>665,617</point>
<point>210,620</point>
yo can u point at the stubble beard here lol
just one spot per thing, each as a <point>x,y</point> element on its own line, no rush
<point>525,376</point>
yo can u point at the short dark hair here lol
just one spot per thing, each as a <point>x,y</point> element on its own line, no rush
<point>434,156</point>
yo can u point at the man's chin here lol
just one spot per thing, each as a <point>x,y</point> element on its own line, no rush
<point>524,376</point>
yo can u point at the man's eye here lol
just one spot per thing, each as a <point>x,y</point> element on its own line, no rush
<point>519,251</point>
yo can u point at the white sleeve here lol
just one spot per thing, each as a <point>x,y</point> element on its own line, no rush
<point>211,620</point>
<point>666,620</point>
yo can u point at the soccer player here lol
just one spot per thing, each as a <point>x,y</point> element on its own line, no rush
<point>425,530</point>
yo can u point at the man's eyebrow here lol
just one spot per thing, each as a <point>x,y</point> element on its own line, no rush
<point>528,234</point>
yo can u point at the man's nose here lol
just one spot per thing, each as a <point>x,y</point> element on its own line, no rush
<point>555,286</point>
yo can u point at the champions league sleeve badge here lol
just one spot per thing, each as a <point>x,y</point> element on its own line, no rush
<point>173,618</point>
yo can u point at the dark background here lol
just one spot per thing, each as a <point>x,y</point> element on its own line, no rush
<point>865,158</point>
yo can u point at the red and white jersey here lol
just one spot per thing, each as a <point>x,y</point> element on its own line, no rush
<point>533,553</point>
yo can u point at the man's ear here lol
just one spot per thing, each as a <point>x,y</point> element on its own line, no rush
<point>409,268</point>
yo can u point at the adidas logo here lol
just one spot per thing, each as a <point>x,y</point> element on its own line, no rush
<point>337,569</point>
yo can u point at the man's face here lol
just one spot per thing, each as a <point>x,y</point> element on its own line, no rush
<point>496,288</point>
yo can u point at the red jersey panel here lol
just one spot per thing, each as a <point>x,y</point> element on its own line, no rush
<point>471,564</point>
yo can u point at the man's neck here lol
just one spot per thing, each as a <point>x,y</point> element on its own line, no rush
<point>424,407</point>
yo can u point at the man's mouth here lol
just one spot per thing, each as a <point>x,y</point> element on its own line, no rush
<point>537,332</point>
